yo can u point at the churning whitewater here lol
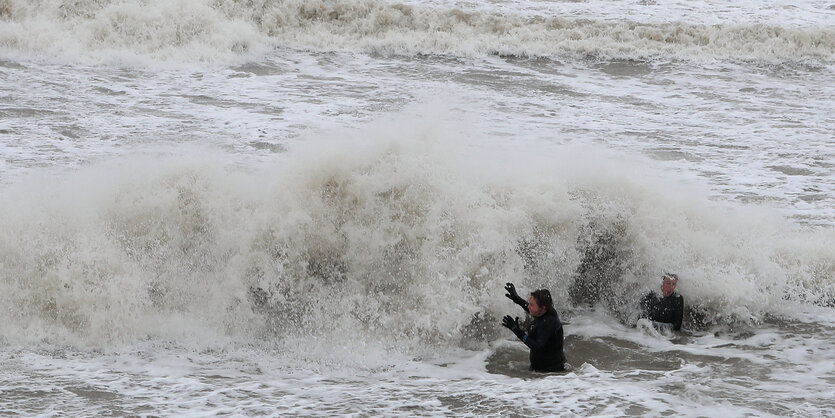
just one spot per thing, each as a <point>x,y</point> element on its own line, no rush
<point>312,207</point>
<point>211,30</point>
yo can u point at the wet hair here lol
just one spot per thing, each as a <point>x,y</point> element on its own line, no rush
<point>543,299</point>
<point>671,276</point>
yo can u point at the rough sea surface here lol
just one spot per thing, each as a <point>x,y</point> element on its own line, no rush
<point>223,207</point>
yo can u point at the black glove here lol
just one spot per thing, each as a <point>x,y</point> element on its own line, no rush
<point>512,295</point>
<point>513,325</point>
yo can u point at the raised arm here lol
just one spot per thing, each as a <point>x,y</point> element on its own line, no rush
<point>512,295</point>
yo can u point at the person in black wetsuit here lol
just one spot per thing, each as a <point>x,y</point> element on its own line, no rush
<point>666,309</point>
<point>545,335</point>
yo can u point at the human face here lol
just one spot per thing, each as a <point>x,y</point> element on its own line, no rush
<point>668,286</point>
<point>533,308</point>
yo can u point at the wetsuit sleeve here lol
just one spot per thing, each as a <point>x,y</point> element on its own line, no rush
<point>521,302</point>
<point>678,313</point>
<point>519,334</point>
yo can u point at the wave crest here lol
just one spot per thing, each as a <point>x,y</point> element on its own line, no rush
<point>222,30</point>
<point>401,239</point>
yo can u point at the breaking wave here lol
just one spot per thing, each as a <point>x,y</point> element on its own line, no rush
<point>401,235</point>
<point>229,30</point>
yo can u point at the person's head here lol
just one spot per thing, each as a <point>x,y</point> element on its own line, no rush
<point>668,284</point>
<point>540,302</point>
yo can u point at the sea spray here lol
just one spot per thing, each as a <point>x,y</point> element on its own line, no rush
<point>398,235</point>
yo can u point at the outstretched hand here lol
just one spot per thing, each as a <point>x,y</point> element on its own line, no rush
<point>511,291</point>
<point>512,295</point>
<point>511,323</point>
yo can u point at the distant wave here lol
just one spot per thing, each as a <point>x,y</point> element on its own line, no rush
<point>203,30</point>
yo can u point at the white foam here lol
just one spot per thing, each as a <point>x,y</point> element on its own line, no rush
<point>198,30</point>
<point>125,278</point>
<point>382,222</point>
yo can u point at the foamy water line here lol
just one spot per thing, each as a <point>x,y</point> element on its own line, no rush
<point>127,31</point>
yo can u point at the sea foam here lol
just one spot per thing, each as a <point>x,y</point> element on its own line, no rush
<point>402,233</point>
<point>130,31</point>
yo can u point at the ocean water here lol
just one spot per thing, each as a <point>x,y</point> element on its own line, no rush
<point>220,207</point>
